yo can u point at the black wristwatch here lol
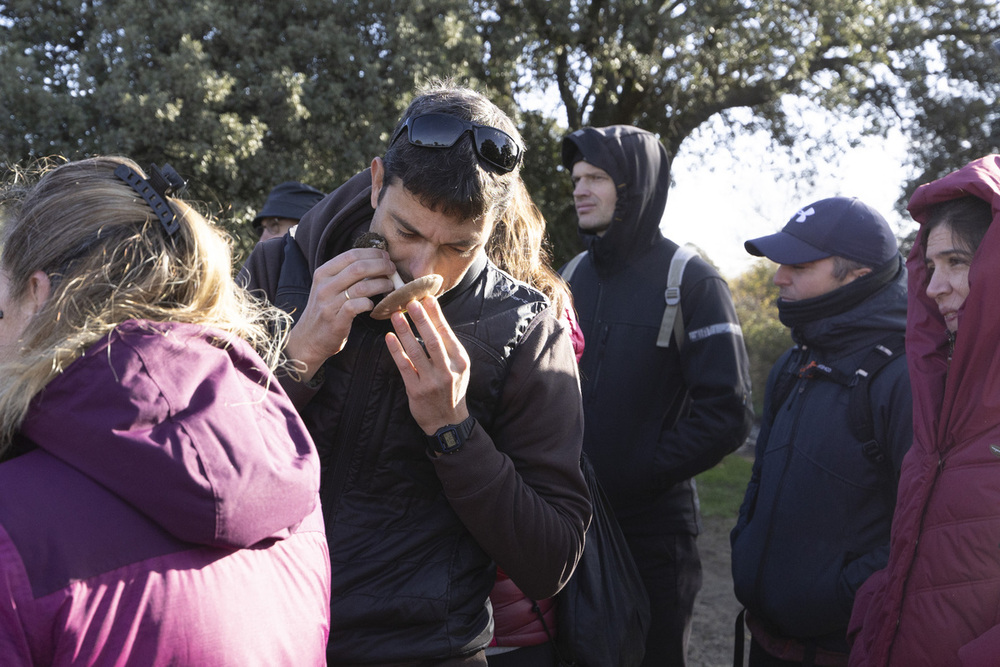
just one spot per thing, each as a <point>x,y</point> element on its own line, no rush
<point>449,439</point>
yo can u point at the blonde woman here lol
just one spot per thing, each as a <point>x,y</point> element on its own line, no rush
<point>158,492</point>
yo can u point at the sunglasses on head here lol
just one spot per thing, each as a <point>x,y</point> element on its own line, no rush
<point>439,130</point>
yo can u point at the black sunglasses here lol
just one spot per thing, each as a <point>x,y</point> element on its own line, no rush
<point>439,130</point>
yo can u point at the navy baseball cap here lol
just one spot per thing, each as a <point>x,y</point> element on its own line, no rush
<point>290,199</point>
<point>839,226</point>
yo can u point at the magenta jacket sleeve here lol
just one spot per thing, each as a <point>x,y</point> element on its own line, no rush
<point>981,651</point>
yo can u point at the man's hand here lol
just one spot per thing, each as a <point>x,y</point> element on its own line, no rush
<point>436,380</point>
<point>341,289</point>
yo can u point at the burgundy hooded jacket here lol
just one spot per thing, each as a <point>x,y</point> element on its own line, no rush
<point>938,600</point>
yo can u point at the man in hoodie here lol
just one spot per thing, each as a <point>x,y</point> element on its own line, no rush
<point>451,445</point>
<point>815,520</point>
<point>656,414</point>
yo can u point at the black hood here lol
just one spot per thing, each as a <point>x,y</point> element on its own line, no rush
<point>640,167</point>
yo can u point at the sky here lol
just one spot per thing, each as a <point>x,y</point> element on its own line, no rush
<point>721,199</point>
<point>723,196</point>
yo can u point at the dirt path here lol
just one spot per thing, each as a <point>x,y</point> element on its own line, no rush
<point>716,607</point>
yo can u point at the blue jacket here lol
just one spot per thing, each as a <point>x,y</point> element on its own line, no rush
<point>815,520</point>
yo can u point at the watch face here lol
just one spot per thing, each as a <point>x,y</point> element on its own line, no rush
<point>449,440</point>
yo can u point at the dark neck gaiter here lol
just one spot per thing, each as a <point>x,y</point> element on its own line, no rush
<point>840,300</point>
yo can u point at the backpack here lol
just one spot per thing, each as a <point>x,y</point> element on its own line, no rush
<point>673,320</point>
<point>859,408</point>
<point>602,613</point>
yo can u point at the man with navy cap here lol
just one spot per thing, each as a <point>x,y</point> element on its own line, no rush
<point>815,520</point>
<point>285,206</point>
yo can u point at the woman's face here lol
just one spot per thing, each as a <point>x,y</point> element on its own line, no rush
<point>11,323</point>
<point>17,313</point>
<point>948,273</point>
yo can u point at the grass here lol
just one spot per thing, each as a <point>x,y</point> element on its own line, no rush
<point>721,489</point>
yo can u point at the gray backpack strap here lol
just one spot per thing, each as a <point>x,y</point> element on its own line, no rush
<point>570,267</point>
<point>673,321</point>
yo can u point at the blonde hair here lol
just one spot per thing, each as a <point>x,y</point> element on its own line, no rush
<point>518,245</point>
<point>109,260</point>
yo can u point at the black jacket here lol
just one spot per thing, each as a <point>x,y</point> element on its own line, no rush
<point>413,538</point>
<point>655,417</point>
<point>815,520</point>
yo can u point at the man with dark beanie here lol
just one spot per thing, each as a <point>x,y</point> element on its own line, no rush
<point>285,206</point>
<point>837,421</point>
<point>662,401</point>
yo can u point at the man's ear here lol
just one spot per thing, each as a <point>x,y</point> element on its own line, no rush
<point>378,173</point>
<point>39,290</point>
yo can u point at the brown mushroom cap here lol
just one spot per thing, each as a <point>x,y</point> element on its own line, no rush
<point>415,290</point>
<point>371,240</point>
<point>398,299</point>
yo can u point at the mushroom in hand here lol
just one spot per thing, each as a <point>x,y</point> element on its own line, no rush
<point>405,293</point>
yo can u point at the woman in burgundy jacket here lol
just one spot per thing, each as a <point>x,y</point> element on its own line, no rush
<point>938,600</point>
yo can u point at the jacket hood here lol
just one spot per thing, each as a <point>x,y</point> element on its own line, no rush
<point>640,167</point>
<point>187,425</point>
<point>947,397</point>
<point>343,215</point>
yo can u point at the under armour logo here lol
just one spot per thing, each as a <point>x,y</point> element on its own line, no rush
<point>804,213</point>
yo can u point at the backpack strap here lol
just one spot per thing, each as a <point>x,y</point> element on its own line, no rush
<point>859,409</point>
<point>740,638</point>
<point>570,267</point>
<point>673,320</point>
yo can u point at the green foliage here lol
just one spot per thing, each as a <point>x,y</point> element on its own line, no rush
<point>955,76</point>
<point>755,295</point>
<point>721,489</point>
<point>241,96</point>
<point>237,96</point>
<point>670,67</point>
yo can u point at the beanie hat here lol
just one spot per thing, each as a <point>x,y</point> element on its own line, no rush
<point>290,199</point>
<point>839,226</point>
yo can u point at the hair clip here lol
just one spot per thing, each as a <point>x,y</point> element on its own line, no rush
<point>155,190</point>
